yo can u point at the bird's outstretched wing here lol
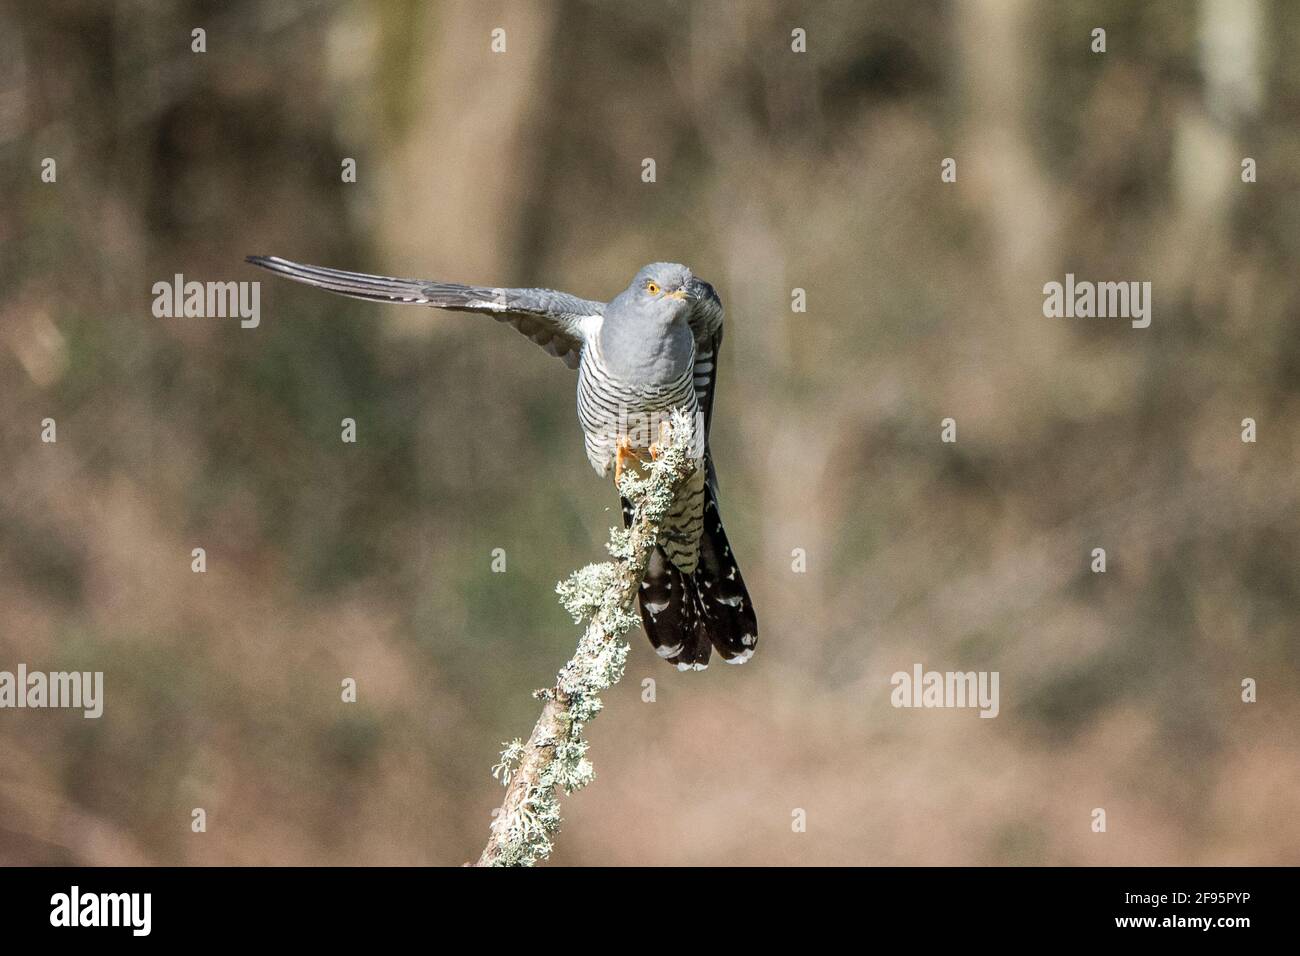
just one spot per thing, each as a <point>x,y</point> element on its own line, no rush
<point>706,323</point>
<point>556,321</point>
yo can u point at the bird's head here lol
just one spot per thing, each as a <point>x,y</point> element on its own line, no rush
<point>662,290</point>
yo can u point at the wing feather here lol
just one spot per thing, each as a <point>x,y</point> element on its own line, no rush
<point>557,321</point>
<point>706,323</point>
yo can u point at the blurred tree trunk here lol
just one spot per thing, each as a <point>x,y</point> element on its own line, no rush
<point>458,169</point>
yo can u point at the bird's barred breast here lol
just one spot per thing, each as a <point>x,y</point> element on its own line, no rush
<point>609,408</point>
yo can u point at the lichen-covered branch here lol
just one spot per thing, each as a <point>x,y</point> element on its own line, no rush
<point>604,595</point>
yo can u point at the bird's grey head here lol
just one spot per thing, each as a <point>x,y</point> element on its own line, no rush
<point>646,333</point>
<point>662,292</point>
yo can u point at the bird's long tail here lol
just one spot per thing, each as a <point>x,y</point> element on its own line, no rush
<point>687,615</point>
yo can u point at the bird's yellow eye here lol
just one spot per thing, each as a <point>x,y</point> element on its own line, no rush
<point>652,288</point>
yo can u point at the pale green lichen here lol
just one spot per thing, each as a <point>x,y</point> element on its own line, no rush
<point>510,756</point>
<point>527,831</point>
<point>605,596</point>
<point>570,770</point>
<point>588,589</point>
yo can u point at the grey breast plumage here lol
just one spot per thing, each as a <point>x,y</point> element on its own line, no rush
<point>611,405</point>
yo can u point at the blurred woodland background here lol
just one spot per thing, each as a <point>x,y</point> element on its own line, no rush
<point>776,170</point>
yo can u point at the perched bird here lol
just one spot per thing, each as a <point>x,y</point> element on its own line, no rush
<point>651,350</point>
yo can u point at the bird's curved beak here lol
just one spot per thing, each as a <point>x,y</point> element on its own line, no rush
<point>679,294</point>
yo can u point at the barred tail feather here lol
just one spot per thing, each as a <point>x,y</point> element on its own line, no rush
<point>670,611</point>
<point>686,616</point>
<point>725,608</point>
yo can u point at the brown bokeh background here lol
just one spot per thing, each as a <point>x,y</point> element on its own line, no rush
<point>776,170</point>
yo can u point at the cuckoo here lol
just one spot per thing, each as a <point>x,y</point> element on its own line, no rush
<point>651,350</point>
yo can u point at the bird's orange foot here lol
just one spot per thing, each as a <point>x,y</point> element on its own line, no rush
<point>623,452</point>
<point>657,449</point>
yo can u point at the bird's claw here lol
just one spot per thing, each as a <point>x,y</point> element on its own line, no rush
<point>657,448</point>
<point>622,454</point>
